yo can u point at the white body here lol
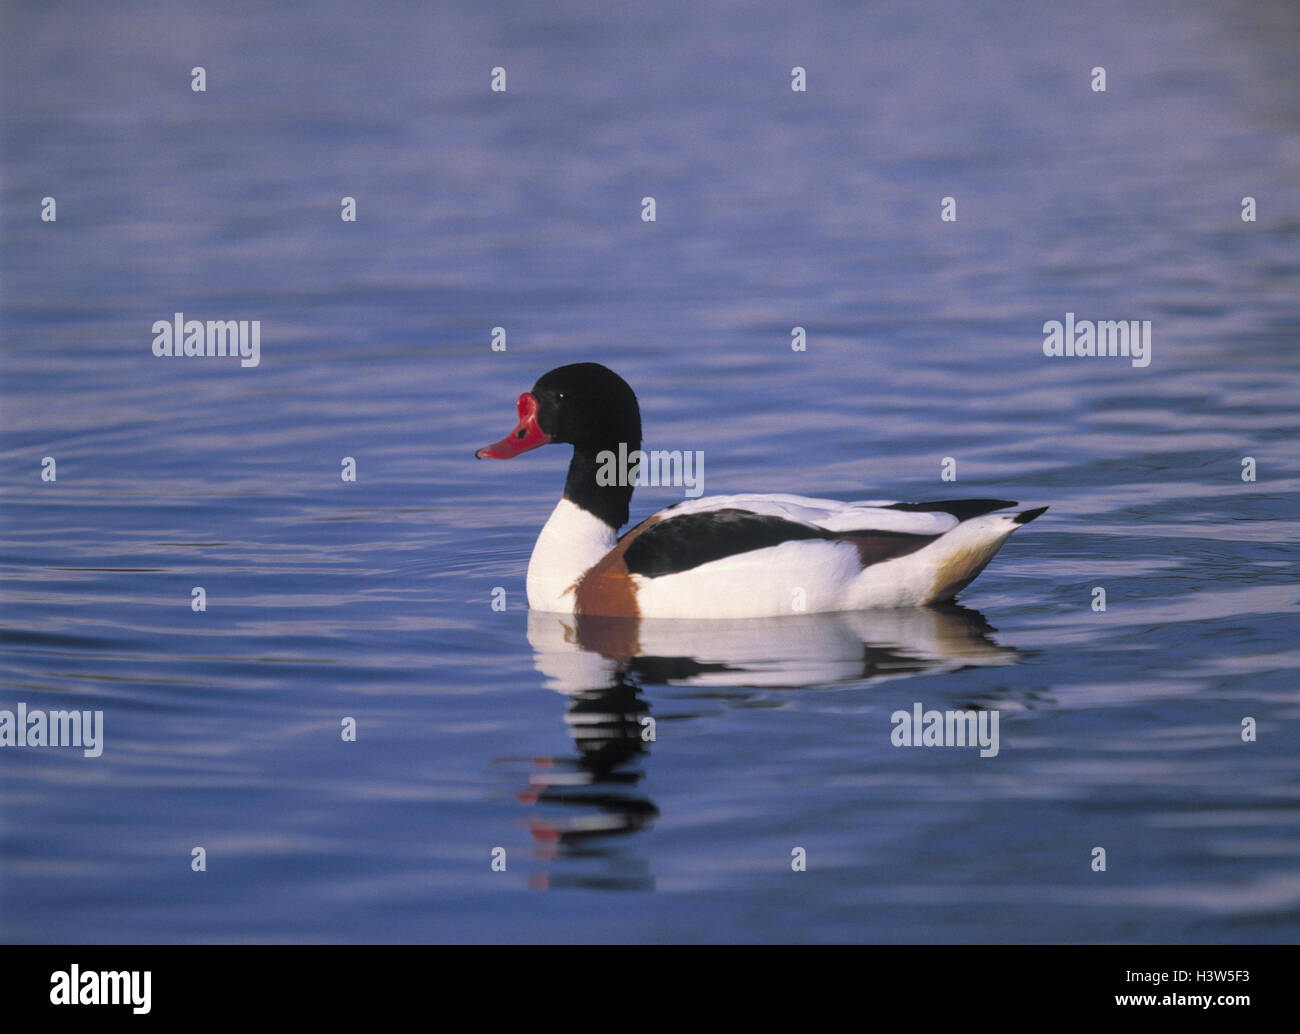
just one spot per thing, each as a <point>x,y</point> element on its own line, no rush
<point>808,576</point>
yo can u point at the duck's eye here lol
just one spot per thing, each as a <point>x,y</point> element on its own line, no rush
<point>522,431</point>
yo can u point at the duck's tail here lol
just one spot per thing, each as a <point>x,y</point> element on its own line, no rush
<point>1025,516</point>
<point>965,551</point>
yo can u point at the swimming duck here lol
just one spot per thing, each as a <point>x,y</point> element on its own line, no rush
<point>729,556</point>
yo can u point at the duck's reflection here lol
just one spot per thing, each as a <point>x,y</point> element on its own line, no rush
<point>585,801</point>
<point>583,653</point>
<point>590,797</point>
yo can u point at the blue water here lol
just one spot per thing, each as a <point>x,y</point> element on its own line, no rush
<point>479,729</point>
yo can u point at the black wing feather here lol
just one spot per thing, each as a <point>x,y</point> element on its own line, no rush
<point>682,543</point>
<point>962,509</point>
<point>692,539</point>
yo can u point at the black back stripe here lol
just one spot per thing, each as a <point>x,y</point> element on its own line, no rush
<point>682,543</point>
<point>962,509</point>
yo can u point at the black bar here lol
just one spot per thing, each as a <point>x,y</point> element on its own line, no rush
<point>335,983</point>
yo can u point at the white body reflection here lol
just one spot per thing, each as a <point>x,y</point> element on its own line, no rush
<point>583,653</point>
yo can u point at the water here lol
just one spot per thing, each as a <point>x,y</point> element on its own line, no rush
<point>479,729</point>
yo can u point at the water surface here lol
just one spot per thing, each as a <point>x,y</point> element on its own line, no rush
<point>480,729</point>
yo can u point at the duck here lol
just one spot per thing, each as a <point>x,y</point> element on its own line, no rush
<point>726,556</point>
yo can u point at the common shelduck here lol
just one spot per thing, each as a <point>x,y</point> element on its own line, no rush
<point>731,556</point>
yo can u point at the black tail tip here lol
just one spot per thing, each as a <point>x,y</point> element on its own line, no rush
<point>1029,515</point>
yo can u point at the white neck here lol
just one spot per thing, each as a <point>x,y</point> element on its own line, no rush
<point>569,545</point>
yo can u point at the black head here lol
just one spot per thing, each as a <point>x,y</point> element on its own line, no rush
<point>590,407</point>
